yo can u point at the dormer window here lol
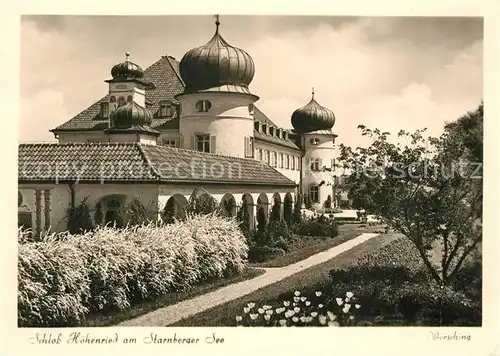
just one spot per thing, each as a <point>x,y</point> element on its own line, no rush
<point>284,135</point>
<point>105,110</point>
<point>278,133</point>
<point>203,105</point>
<point>264,128</point>
<point>166,110</point>
<point>271,131</point>
<point>256,126</point>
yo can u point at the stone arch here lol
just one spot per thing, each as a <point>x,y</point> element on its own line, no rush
<point>228,204</point>
<point>110,209</point>
<point>175,208</point>
<point>247,205</point>
<point>288,207</point>
<point>262,209</point>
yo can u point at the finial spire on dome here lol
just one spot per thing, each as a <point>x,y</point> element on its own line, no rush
<point>313,92</point>
<point>127,54</point>
<point>217,23</point>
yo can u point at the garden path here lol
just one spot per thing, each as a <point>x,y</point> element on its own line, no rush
<point>173,313</point>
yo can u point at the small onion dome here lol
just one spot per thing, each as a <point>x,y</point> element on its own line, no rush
<point>312,117</point>
<point>127,70</point>
<point>131,114</point>
<point>217,66</point>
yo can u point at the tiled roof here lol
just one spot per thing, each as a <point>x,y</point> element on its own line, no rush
<point>259,136</point>
<point>168,83</point>
<point>135,162</point>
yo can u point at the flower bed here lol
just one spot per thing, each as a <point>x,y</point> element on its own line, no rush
<point>65,277</point>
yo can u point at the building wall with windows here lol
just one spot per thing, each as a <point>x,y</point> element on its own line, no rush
<point>289,167</point>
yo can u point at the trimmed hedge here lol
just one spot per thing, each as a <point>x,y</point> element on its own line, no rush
<point>65,277</point>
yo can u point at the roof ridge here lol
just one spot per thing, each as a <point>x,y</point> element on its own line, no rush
<point>177,74</point>
<point>148,161</point>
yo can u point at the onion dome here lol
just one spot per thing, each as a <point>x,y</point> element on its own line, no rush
<point>312,117</point>
<point>217,66</point>
<point>131,115</point>
<point>127,70</point>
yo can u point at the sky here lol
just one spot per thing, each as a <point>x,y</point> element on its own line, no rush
<point>389,73</point>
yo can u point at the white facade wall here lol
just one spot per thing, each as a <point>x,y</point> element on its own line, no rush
<point>228,121</point>
<point>292,174</point>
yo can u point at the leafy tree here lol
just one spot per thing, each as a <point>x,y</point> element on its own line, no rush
<point>243,217</point>
<point>328,202</point>
<point>427,189</point>
<point>261,219</point>
<point>275,211</point>
<point>98,216</point>
<point>201,203</point>
<point>297,215</point>
<point>79,219</point>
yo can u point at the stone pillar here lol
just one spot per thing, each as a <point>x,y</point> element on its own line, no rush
<point>46,194</point>
<point>38,212</point>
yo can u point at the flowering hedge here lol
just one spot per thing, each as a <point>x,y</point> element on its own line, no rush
<point>65,277</point>
<point>302,309</point>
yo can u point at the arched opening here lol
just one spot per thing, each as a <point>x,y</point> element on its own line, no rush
<point>288,208</point>
<point>228,205</point>
<point>275,214</point>
<point>246,213</point>
<point>109,211</point>
<point>175,208</point>
<point>262,211</point>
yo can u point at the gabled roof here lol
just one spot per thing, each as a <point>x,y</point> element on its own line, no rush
<point>167,84</point>
<point>138,163</point>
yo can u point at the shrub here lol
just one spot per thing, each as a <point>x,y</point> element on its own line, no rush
<point>67,276</point>
<point>79,218</point>
<point>319,226</point>
<point>136,213</point>
<point>201,203</point>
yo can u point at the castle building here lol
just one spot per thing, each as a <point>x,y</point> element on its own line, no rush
<point>161,132</point>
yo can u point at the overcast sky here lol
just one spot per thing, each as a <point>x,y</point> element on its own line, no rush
<point>390,73</point>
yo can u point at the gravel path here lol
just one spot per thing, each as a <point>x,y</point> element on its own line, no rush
<point>173,313</point>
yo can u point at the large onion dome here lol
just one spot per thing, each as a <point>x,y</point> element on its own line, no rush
<point>312,117</point>
<point>131,115</point>
<point>127,70</point>
<point>217,66</point>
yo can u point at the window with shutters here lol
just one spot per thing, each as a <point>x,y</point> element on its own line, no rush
<point>287,162</point>
<point>281,160</point>
<point>168,142</point>
<point>202,143</point>
<point>249,150</point>
<point>268,157</point>
<point>314,193</point>
<point>275,159</point>
<point>314,164</point>
<point>293,163</point>
<point>203,105</point>
<point>297,163</point>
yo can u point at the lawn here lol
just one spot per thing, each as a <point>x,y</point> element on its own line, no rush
<point>114,317</point>
<point>224,315</point>
<point>306,246</point>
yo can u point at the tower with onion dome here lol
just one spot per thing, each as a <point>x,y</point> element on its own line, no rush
<point>313,127</point>
<point>217,105</point>
<point>129,119</point>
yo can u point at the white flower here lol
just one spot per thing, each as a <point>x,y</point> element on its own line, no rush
<point>282,322</point>
<point>261,311</point>
<point>269,312</point>
<point>442,227</point>
<point>280,310</point>
<point>322,319</point>
<point>346,308</point>
<point>305,319</point>
<point>320,306</point>
<point>267,317</point>
<point>351,317</point>
<point>246,310</point>
<point>331,316</point>
<point>295,319</point>
<point>285,303</point>
<point>349,294</point>
<point>296,299</point>
<point>289,313</point>
<point>314,314</point>
<point>266,307</point>
<point>303,299</point>
<point>339,301</point>
<point>296,309</point>
<point>333,323</point>
<point>318,294</point>
<point>254,316</point>
<point>357,306</point>
<point>239,318</point>
<point>297,293</point>
<point>251,305</point>
<point>308,303</point>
